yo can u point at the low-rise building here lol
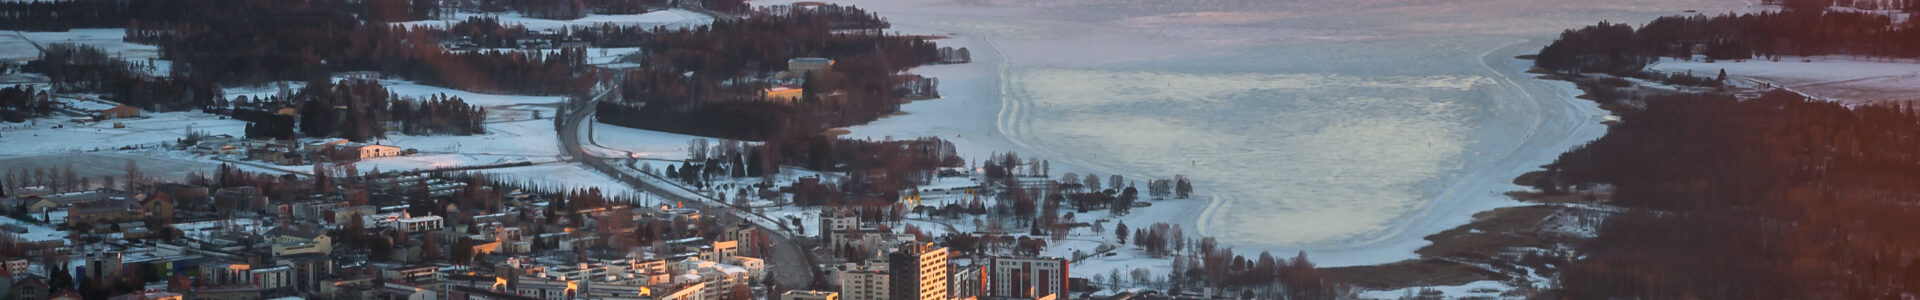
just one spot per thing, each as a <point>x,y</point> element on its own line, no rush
<point>374,151</point>
<point>104,212</point>
<point>418,224</point>
<point>810,295</point>
<point>292,240</point>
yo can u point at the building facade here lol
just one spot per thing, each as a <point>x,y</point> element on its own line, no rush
<point>919,271</point>
<point>1027,277</point>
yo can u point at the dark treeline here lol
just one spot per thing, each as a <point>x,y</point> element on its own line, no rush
<point>359,110</point>
<point>488,32</point>
<point>64,15</point>
<point>1800,30</point>
<point>1777,197</point>
<point>68,14</point>
<point>86,68</point>
<point>575,9</point>
<point>20,102</point>
<point>384,11</point>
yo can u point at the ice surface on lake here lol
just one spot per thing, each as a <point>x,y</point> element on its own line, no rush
<point>1309,158</point>
<point>1350,129</point>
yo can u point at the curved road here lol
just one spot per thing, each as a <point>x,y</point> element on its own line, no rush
<point>790,263</point>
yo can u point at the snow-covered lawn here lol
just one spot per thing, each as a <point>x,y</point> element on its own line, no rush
<point>1846,79</point>
<point>637,143</point>
<point>411,89</point>
<point>518,138</point>
<point>671,18</point>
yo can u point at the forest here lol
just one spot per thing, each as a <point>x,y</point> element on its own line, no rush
<point>1803,28</point>
<point>692,84</point>
<point>1777,197</point>
<point>1774,197</point>
<point>360,110</point>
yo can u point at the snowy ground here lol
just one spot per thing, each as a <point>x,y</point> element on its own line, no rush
<point>36,232</point>
<point>563,175</point>
<point>616,141</point>
<point>1482,289</point>
<point>512,134</point>
<point>42,136</point>
<point>1845,79</point>
<point>671,18</point>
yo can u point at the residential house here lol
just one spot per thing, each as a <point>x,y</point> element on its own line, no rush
<point>160,205</point>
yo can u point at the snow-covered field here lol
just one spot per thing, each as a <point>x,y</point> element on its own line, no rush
<point>512,133</point>
<point>42,136</point>
<point>671,18</point>
<point>1845,79</point>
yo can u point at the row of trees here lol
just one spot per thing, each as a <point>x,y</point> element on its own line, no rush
<point>1800,30</point>
<point>19,102</point>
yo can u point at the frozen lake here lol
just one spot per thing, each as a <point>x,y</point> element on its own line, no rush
<point>1347,129</point>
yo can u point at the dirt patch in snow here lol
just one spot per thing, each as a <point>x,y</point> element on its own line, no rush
<point>1498,245</point>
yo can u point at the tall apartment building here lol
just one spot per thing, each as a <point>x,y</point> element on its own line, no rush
<point>919,272</point>
<point>1027,277</point>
